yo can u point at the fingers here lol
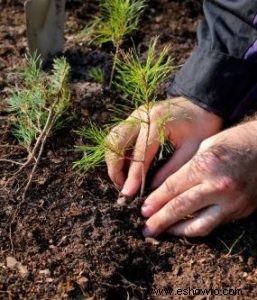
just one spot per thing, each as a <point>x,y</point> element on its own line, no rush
<point>202,225</point>
<point>188,203</point>
<point>119,141</point>
<point>181,156</point>
<point>146,147</point>
<point>173,186</point>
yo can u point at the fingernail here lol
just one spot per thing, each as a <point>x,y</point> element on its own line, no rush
<point>147,232</point>
<point>146,210</point>
<point>124,200</point>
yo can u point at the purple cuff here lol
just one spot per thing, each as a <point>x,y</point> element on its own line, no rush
<point>251,52</point>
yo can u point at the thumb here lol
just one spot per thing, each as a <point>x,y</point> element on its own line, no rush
<point>181,156</point>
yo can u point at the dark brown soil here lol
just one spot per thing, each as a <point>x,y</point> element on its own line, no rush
<point>72,241</point>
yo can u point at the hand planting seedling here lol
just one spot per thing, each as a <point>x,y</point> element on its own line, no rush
<point>139,80</point>
<point>116,20</point>
<point>70,237</point>
<point>38,104</point>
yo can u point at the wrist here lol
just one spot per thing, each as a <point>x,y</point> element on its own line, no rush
<point>250,128</point>
<point>208,123</point>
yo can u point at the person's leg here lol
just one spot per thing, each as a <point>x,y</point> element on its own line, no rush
<point>45,26</point>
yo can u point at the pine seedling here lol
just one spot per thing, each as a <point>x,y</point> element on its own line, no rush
<point>139,80</point>
<point>94,152</point>
<point>97,144</point>
<point>97,75</point>
<point>38,104</point>
<point>116,20</point>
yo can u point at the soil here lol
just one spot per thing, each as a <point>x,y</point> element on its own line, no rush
<point>70,240</point>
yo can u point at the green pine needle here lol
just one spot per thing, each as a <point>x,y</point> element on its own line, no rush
<point>116,19</point>
<point>94,151</point>
<point>97,75</point>
<point>140,80</point>
<point>37,94</point>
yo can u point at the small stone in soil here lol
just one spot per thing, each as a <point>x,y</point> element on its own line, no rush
<point>11,262</point>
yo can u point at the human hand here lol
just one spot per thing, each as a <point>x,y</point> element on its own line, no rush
<point>216,186</point>
<point>185,125</point>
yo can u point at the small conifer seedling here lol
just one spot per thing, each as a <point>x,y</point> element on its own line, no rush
<point>116,20</point>
<point>94,152</point>
<point>140,81</point>
<point>97,75</point>
<point>38,104</point>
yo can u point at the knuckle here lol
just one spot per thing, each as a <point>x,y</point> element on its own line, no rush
<point>140,112</point>
<point>113,135</point>
<point>141,108</point>
<point>168,187</point>
<point>114,129</point>
<point>155,113</point>
<point>226,184</point>
<point>208,143</point>
<point>177,207</point>
<point>136,113</point>
<point>205,163</point>
<point>204,145</point>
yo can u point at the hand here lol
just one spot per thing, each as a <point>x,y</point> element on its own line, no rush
<point>185,125</point>
<point>216,186</point>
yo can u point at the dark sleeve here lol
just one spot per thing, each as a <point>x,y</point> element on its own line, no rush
<point>222,70</point>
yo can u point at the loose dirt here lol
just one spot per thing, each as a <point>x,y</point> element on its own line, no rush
<point>70,240</point>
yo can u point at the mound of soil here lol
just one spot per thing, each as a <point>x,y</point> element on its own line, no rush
<point>70,240</point>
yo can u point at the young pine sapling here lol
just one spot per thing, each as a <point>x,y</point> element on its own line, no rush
<point>116,20</point>
<point>38,104</point>
<point>140,81</point>
<point>97,75</point>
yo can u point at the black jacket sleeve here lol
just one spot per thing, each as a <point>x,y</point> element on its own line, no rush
<point>222,70</point>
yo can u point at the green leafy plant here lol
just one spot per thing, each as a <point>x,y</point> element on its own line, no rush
<point>139,80</point>
<point>116,20</point>
<point>38,104</point>
<point>97,75</point>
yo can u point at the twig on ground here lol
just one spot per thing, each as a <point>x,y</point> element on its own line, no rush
<point>10,161</point>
